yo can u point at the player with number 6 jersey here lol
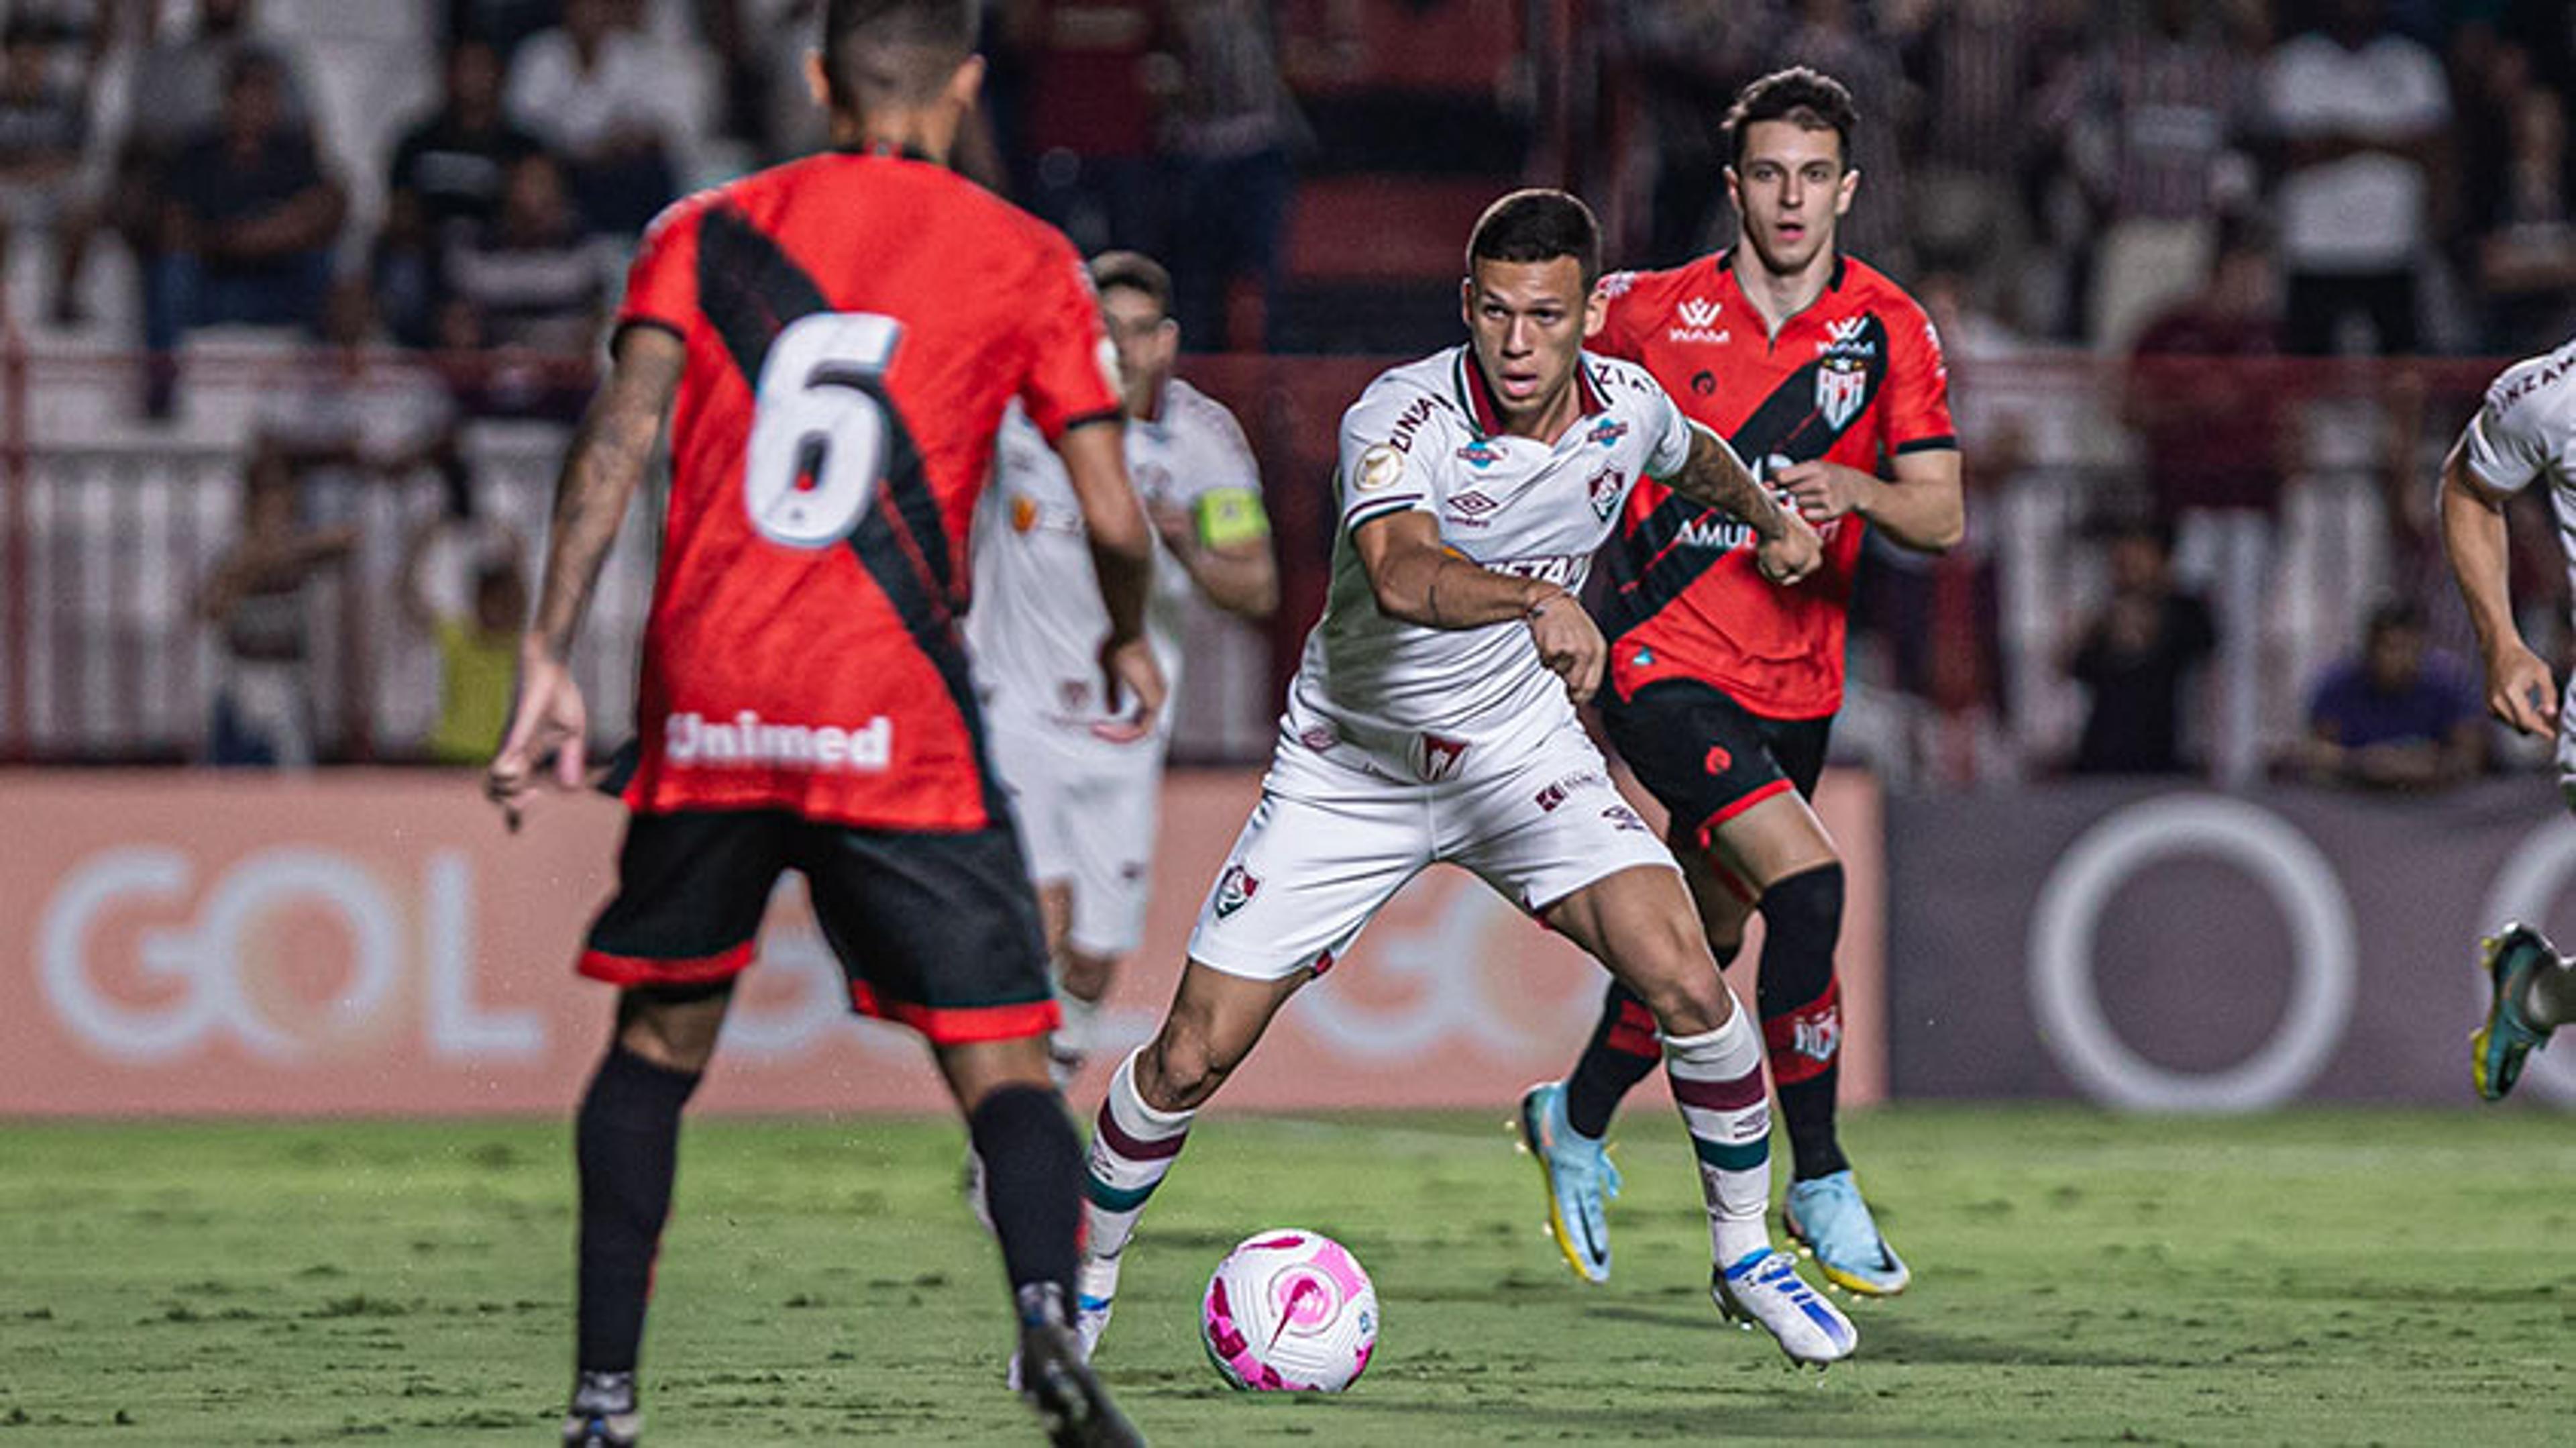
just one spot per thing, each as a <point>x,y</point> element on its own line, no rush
<point>833,342</point>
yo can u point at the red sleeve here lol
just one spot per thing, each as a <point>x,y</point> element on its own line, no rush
<point>662,281</point>
<point>1915,414</point>
<point>1617,337</point>
<point>1072,371</point>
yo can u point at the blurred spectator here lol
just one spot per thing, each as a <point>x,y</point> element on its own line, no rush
<point>1978,64</point>
<point>1229,134</point>
<point>478,647</point>
<point>2167,106</point>
<point>2213,428</point>
<point>1086,137</point>
<point>525,298</point>
<point>1682,61</point>
<point>2359,112</point>
<point>2136,657</point>
<point>2398,717</point>
<point>445,182</point>
<point>760,48</point>
<point>175,98</point>
<point>501,24</point>
<point>247,224</point>
<point>256,600</point>
<point>44,127</point>
<point>1834,37</point>
<point>591,92</point>
<point>2526,256</point>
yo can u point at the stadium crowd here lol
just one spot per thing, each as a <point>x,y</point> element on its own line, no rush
<point>2121,182</point>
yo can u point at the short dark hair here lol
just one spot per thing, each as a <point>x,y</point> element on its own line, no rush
<point>1537,225</point>
<point>1808,99</point>
<point>1136,272</point>
<point>899,51</point>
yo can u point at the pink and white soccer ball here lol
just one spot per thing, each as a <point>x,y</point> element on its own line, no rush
<point>1289,1311</point>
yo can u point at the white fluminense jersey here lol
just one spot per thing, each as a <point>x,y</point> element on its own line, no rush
<point>2526,430</point>
<point>1424,702</point>
<point>1036,625</point>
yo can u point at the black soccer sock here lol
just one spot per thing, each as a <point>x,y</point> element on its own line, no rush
<point>1032,1184</point>
<point>627,1143</point>
<point>1623,1051</point>
<point>1802,1024</point>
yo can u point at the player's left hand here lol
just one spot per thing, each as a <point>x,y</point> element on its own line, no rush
<point>1793,555</point>
<point>1823,491</point>
<point>549,719</point>
<point>1569,644</point>
<point>1132,678</point>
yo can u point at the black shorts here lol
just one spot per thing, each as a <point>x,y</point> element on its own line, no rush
<point>1706,758</point>
<point>938,931</point>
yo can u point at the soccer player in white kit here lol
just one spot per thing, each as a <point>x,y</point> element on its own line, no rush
<point>2524,431</point>
<point>1433,719</point>
<point>1084,781</point>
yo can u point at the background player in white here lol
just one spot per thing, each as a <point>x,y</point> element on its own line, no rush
<point>1432,719</point>
<point>1084,780</point>
<point>2525,430</point>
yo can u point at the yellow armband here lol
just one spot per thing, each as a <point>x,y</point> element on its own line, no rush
<point>1227,516</point>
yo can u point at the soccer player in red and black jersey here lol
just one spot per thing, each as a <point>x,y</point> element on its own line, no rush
<point>834,341</point>
<point>1826,378</point>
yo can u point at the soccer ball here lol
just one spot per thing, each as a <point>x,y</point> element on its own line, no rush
<point>1289,1311</point>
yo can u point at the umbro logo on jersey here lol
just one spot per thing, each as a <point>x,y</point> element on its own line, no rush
<point>1472,504</point>
<point>1235,889</point>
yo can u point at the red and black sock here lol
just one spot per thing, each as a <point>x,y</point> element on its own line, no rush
<point>1802,918</point>
<point>626,1142</point>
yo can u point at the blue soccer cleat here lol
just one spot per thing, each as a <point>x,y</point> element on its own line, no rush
<point>2497,1048</point>
<point>1580,1179</point>
<point>1763,1289</point>
<point>1827,1216</point>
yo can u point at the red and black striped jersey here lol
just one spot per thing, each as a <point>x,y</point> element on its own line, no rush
<point>1855,379</point>
<point>856,324</point>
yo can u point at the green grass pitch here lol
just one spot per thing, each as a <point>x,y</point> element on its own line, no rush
<point>2313,1277</point>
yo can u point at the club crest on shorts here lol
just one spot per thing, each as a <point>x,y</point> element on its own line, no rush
<point>1440,757</point>
<point>1235,889</point>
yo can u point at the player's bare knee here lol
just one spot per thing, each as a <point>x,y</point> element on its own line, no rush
<point>1670,970</point>
<point>674,1027</point>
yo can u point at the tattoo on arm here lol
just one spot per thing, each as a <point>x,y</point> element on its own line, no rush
<point>608,457</point>
<point>1715,476</point>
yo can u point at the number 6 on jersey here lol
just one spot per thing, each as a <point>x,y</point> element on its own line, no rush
<point>818,430</point>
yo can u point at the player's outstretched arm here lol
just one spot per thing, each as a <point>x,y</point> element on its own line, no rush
<point>1420,580</point>
<point>1789,550</point>
<point>1923,508</point>
<point>1122,553</point>
<point>609,453</point>
<point>2519,688</point>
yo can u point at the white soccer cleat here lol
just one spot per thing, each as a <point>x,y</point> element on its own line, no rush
<point>1764,1288</point>
<point>1095,1292</point>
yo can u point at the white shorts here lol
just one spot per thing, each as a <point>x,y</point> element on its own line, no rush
<point>1087,811</point>
<point>1331,842</point>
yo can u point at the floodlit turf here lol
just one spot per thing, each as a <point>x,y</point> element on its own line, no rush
<point>2343,1277</point>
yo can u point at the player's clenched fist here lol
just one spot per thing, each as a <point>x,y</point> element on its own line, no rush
<point>550,719</point>
<point>1569,643</point>
<point>1792,555</point>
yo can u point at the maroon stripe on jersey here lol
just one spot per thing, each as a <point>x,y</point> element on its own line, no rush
<point>1730,1095</point>
<point>1136,1148</point>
